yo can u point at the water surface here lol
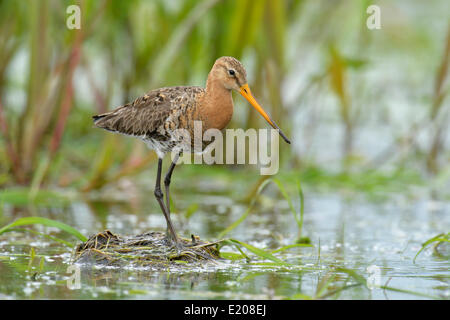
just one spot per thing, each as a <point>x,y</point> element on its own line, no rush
<point>377,239</point>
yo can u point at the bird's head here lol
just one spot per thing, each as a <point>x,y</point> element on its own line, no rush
<point>231,73</point>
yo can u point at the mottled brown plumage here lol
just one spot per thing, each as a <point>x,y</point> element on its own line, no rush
<point>156,117</point>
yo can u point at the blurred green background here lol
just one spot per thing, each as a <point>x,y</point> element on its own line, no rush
<point>354,101</point>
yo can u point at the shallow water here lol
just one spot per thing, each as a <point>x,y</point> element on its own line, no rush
<point>376,239</point>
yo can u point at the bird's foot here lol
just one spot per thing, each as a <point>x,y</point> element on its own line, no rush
<point>193,249</point>
<point>183,246</point>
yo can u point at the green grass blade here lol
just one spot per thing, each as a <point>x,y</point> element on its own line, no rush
<point>360,279</point>
<point>288,199</point>
<point>302,206</point>
<point>43,235</point>
<point>338,290</point>
<point>45,222</point>
<point>324,284</point>
<point>301,296</point>
<point>419,294</point>
<point>191,210</point>
<point>259,252</point>
<point>232,256</point>
<point>32,256</point>
<point>246,213</point>
<point>439,238</point>
<point>298,218</point>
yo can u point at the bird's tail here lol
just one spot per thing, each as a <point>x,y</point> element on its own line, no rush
<point>99,120</point>
<point>99,116</point>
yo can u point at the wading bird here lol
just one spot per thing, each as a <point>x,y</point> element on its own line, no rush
<point>156,116</point>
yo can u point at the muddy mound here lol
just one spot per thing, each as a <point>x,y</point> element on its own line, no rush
<point>150,249</point>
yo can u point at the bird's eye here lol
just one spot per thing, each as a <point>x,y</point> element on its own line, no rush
<point>231,72</point>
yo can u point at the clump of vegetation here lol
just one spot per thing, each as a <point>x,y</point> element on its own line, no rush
<point>150,249</point>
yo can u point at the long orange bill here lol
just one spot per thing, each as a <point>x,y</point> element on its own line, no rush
<point>246,93</point>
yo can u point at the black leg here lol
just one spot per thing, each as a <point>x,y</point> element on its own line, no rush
<point>167,180</point>
<point>160,198</point>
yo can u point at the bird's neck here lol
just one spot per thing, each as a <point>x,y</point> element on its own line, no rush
<point>217,106</point>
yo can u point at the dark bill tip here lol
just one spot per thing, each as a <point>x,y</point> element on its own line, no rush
<point>282,134</point>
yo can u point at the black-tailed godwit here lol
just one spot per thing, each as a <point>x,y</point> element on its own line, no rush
<point>156,116</point>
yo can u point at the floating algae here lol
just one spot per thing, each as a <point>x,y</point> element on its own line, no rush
<point>150,249</point>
